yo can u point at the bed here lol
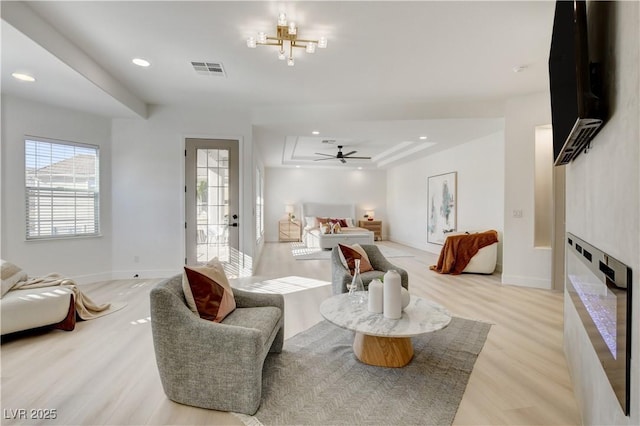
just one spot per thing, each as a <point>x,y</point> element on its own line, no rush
<point>314,236</point>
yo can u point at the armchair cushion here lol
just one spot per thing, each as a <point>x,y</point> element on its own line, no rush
<point>207,291</point>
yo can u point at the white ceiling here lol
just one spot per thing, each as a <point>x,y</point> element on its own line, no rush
<point>380,54</point>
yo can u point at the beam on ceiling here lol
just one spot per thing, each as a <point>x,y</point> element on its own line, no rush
<point>27,21</point>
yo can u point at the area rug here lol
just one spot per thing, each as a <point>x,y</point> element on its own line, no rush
<point>301,252</point>
<point>317,380</point>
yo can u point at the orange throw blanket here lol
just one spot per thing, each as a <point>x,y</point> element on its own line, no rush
<point>459,249</point>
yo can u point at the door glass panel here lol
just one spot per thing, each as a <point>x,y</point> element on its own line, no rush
<point>212,183</point>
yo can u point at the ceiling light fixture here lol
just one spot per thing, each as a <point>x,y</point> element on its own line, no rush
<point>286,32</point>
<point>422,138</point>
<point>23,77</point>
<point>141,62</point>
<point>315,132</point>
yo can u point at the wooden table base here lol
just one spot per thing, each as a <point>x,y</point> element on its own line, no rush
<point>383,351</point>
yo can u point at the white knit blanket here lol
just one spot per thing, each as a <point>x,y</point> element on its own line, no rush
<point>85,307</point>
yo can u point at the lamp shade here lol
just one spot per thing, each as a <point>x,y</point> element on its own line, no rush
<point>370,214</point>
<point>288,208</point>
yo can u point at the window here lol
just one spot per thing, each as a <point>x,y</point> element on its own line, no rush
<point>62,189</point>
<point>259,205</point>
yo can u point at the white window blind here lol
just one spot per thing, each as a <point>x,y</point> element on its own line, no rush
<point>62,189</point>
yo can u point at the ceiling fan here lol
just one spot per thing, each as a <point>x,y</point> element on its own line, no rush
<point>340,156</point>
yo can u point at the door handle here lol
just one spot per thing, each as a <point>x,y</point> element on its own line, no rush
<point>235,224</point>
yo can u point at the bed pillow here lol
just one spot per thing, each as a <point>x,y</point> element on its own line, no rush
<point>342,222</point>
<point>349,221</point>
<point>310,222</point>
<point>207,291</point>
<point>348,255</point>
<point>11,274</point>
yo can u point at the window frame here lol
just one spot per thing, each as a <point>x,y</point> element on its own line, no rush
<point>87,197</point>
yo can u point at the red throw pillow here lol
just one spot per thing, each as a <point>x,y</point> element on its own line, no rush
<point>351,253</point>
<point>342,222</point>
<point>207,291</point>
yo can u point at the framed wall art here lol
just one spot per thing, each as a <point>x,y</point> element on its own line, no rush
<point>441,206</point>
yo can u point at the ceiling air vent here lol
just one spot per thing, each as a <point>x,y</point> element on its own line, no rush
<point>329,141</point>
<point>209,68</point>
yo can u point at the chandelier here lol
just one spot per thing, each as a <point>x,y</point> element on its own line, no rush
<point>286,32</point>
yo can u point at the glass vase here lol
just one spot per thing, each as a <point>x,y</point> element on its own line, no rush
<point>356,289</point>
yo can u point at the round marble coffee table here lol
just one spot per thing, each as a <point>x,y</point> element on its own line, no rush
<point>381,341</point>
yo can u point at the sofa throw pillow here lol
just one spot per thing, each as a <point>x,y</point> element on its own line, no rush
<point>207,291</point>
<point>336,228</point>
<point>11,274</point>
<point>348,255</point>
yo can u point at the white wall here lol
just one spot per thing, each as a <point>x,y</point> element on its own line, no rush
<point>367,189</point>
<point>148,186</point>
<point>523,264</point>
<point>480,196</point>
<point>84,259</point>
<point>603,208</point>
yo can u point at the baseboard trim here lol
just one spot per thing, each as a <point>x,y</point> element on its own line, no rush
<point>520,281</point>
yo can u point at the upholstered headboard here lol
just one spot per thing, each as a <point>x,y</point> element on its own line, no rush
<point>329,210</point>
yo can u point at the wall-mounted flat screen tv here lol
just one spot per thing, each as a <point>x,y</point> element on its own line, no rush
<point>575,110</point>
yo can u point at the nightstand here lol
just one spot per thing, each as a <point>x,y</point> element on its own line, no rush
<point>288,230</point>
<point>374,226</point>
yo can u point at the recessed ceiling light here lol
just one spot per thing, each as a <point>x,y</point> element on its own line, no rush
<point>23,77</point>
<point>297,167</point>
<point>359,167</point>
<point>141,62</point>
<point>423,138</point>
<point>315,132</point>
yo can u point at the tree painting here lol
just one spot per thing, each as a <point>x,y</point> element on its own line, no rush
<point>441,215</point>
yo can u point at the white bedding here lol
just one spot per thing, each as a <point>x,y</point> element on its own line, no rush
<point>314,238</point>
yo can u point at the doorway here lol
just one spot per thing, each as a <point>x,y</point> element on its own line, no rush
<point>211,201</point>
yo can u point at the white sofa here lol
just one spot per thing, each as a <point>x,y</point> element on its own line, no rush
<point>37,307</point>
<point>23,309</point>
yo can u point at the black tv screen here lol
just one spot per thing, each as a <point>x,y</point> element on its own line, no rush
<point>575,110</point>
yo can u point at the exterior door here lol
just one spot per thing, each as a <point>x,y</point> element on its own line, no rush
<point>211,198</point>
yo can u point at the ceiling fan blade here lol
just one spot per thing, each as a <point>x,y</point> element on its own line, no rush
<point>359,158</point>
<point>322,159</point>
<point>343,161</point>
<point>328,155</point>
<point>349,153</point>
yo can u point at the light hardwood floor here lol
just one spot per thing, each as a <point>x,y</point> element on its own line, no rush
<point>104,372</point>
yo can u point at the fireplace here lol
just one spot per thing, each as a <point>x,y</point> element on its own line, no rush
<point>600,289</point>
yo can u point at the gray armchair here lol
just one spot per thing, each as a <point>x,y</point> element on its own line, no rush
<point>214,365</point>
<point>340,275</point>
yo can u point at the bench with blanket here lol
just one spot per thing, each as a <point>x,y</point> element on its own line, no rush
<point>468,252</point>
<point>28,303</point>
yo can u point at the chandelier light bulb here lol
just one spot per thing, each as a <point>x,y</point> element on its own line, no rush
<point>281,55</point>
<point>290,62</point>
<point>322,42</point>
<point>251,42</point>
<point>262,37</point>
<point>311,47</point>
<point>282,19</point>
<point>292,28</point>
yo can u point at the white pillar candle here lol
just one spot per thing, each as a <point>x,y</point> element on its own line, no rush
<point>392,295</point>
<point>375,296</point>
